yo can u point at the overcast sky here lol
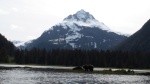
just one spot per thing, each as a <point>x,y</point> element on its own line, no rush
<point>28,19</point>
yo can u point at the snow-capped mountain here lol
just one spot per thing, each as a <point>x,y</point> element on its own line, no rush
<point>21,44</point>
<point>17,43</point>
<point>82,18</point>
<point>80,30</point>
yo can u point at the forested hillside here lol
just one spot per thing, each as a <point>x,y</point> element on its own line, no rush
<point>6,49</point>
<point>139,41</point>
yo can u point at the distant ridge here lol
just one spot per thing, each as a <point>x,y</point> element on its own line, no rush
<point>139,41</point>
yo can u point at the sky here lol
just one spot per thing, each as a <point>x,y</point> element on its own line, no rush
<point>25,20</point>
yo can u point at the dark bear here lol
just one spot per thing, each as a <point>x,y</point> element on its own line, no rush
<point>78,68</point>
<point>88,67</point>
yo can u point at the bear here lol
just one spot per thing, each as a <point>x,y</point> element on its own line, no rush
<point>88,67</point>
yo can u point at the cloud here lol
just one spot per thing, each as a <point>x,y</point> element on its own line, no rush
<point>3,12</point>
<point>30,38</point>
<point>7,12</point>
<point>15,9</point>
<point>15,27</point>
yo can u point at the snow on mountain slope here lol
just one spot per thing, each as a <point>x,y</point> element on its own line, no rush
<point>82,18</point>
<point>17,43</point>
<point>21,44</point>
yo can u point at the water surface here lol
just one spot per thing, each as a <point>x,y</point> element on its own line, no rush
<point>33,76</point>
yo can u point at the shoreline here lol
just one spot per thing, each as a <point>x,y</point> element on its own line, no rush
<point>117,71</point>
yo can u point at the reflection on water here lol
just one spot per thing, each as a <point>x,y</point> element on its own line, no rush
<point>27,76</point>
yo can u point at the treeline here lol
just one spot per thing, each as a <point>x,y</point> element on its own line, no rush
<point>78,57</point>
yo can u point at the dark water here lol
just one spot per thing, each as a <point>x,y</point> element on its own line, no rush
<point>27,76</point>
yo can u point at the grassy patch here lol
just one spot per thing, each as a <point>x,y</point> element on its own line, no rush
<point>148,73</point>
<point>118,72</point>
<point>121,72</point>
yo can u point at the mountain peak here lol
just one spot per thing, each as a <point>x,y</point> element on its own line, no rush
<point>80,16</point>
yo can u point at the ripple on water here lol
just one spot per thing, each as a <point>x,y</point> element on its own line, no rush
<point>25,76</point>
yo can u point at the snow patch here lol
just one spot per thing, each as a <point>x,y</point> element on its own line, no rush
<point>57,40</point>
<point>55,43</point>
<point>23,43</point>
<point>81,14</point>
<point>73,45</point>
<point>95,45</point>
<point>89,23</point>
<point>89,36</point>
<point>104,40</point>
<point>17,44</point>
<point>73,37</point>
